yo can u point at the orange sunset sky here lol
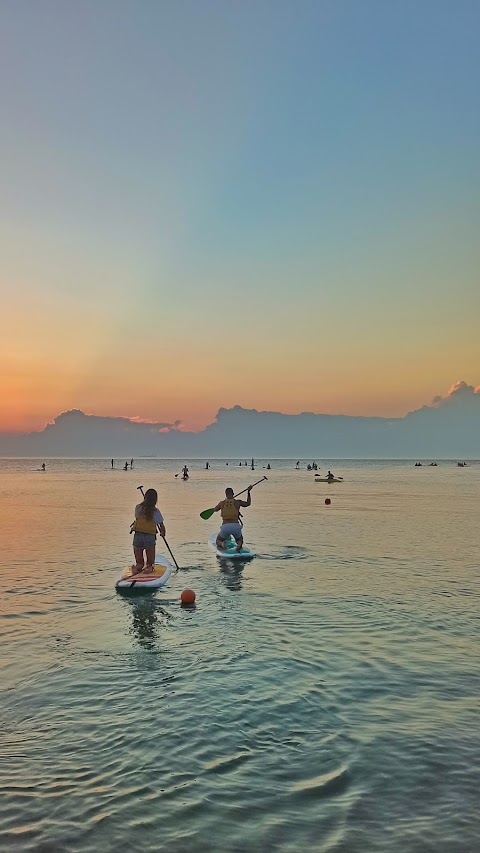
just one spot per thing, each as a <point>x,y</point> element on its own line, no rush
<point>276,211</point>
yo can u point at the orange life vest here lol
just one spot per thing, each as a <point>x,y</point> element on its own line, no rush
<point>229,511</point>
<point>144,525</point>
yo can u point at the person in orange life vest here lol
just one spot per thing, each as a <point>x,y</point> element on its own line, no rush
<point>230,511</point>
<point>147,519</point>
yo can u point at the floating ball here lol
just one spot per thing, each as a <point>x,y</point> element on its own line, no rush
<point>328,501</point>
<point>188,596</point>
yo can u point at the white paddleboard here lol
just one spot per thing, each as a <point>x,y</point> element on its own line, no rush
<point>146,580</point>
<point>230,552</point>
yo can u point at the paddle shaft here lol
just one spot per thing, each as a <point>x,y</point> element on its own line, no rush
<point>170,550</point>
<point>250,487</point>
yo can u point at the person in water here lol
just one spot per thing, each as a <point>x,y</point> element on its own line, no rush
<point>230,512</point>
<point>125,467</point>
<point>43,466</point>
<point>330,476</point>
<point>147,519</point>
<point>207,466</point>
<point>185,472</point>
<point>112,463</point>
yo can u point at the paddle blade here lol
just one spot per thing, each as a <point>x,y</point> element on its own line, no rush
<point>207,513</point>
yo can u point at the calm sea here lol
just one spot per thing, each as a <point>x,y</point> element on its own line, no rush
<point>324,696</point>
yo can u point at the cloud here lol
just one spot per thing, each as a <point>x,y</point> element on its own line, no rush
<point>460,394</point>
<point>178,426</point>
<point>160,427</point>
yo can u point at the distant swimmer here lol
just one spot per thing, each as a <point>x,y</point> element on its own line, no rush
<point>298,464</point>
<point>43,466</point>
<point>230,512</point>
<point>113,464</point>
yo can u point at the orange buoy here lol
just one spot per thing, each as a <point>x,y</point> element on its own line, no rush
<point>188,596</point>
<point>328,501</point>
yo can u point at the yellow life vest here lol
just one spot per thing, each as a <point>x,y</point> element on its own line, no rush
<point>229,511</point>
<point>144,525</point>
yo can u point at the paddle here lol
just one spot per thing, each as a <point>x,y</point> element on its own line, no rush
<point>329,478</point>
<point>207,513</point>
<point>336,477</point>
<point>163,537</point>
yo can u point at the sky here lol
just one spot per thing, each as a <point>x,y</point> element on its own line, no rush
<point>260,203</point>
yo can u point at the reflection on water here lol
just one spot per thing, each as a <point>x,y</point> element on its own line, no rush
<point>148,618</point>
<point>231,572</point>
<point>321,696</point>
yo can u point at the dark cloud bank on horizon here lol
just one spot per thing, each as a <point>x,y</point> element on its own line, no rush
<point>448,427</point>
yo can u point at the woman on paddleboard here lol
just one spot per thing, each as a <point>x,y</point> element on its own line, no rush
<point>147,519</point>
<point>230,512</point>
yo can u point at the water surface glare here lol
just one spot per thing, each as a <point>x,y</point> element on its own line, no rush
<point>321,696</point>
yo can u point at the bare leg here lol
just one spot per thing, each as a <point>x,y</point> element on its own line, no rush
<point>239,543</point>
<point>220,543</point>
<point>150,554</point>
<point>138,552</point>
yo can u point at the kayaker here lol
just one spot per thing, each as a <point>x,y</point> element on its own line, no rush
<point>147,518</point>
<point>230,512</point>
<point>330,476</point>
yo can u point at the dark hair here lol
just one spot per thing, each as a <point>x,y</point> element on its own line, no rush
<point>148,504</point>
<point>229,492</point>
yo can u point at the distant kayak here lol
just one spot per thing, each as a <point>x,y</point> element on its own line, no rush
<point>328,480</point>
<point>230,552</point>
<point>146,580</point>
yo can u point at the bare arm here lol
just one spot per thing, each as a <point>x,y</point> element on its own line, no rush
<point>218,506</point>
<point>248,501</point>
